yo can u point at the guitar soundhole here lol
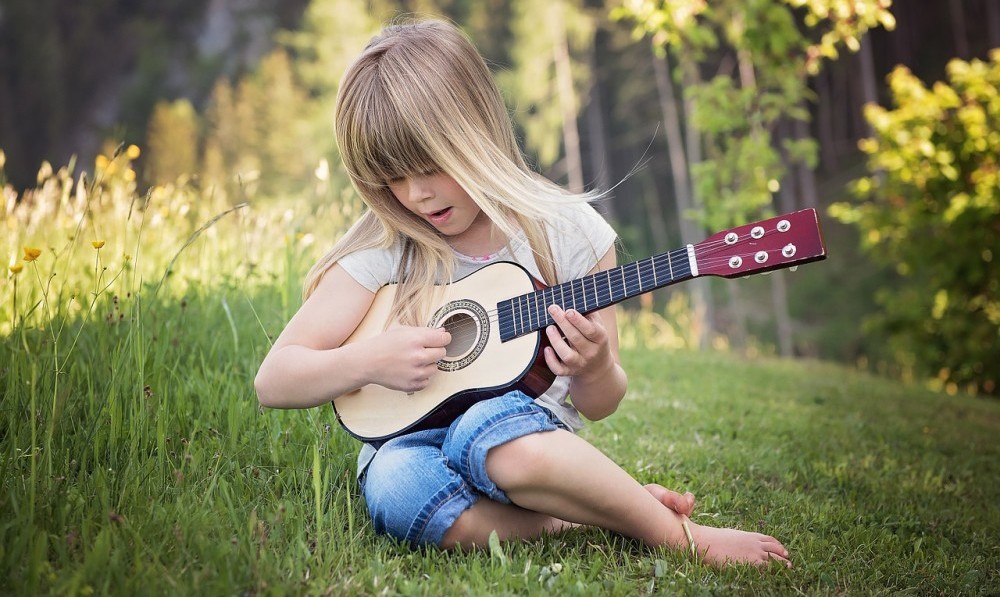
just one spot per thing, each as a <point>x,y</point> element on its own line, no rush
<point>469,326</point>
<point>462,328</point>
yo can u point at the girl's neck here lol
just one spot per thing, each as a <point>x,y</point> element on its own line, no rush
<point>481,239</point>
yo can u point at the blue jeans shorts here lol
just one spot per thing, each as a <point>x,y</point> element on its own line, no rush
<point>418,484</point>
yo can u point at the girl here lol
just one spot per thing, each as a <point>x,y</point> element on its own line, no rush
<point>428,143</point>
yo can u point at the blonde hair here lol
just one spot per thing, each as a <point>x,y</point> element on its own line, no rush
<point>421,99</point>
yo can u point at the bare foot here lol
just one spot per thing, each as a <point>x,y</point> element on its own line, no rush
<point>723,546</point>
<point>681,504</point>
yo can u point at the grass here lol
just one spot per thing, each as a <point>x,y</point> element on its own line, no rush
<point>134,457</point>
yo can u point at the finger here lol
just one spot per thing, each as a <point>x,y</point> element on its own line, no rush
<point>553,362</point>
<point>577,326</point>
<point>566,353</point>
<point>566,325</point>
<point>437,337</point>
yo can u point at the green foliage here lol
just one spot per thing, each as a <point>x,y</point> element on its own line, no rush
<point>533,85</point>
<point>257,141</point>
<point>743,166</point>
<point>932,210</point>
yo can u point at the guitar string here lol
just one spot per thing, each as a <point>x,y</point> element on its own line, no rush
<point>705,256</point>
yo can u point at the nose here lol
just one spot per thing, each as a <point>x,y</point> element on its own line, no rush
<point>418,188</point>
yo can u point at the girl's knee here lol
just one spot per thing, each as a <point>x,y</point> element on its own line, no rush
<point>520,462</point>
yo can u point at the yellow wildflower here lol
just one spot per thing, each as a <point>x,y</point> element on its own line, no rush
<point>16,268</point>
<point>97,244</point>
<point>102,162</point>
<point>31,253</point>
<point>132,152</point>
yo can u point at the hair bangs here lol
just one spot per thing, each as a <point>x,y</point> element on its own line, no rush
<point>381,144</point>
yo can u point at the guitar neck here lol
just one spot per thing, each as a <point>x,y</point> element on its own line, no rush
<point>528,313</point>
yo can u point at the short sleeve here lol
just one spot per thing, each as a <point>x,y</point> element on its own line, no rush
<point>579,239</point>
<point>372,268</point>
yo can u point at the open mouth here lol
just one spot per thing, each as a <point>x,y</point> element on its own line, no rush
<point>439,215</point>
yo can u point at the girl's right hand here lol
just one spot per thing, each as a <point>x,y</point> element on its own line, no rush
<point>406,357</point>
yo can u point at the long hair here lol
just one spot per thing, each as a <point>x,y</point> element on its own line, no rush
<point>421,99</point>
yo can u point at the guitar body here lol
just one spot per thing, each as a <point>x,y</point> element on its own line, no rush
<point>478,365</point>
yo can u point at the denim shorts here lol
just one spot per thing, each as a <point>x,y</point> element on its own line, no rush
<point>418,484</point>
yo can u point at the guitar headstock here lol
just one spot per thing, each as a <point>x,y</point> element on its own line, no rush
<point>783,241</point>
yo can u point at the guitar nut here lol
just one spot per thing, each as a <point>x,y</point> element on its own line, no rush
<point>788,250</point>
<point>760,257</point>
<point>735,261</point>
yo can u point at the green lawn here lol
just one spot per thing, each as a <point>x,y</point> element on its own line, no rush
<point>146,466</point>
<point>134,458</point>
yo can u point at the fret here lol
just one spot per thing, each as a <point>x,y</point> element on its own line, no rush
<point>638,275</point>
<point>653,261</point>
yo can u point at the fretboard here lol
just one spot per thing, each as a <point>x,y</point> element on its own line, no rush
<point>528,313</point>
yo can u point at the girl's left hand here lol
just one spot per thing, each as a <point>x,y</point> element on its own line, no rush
<point>579,343</point>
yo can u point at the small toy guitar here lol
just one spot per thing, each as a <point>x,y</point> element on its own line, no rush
<point>497,316</point>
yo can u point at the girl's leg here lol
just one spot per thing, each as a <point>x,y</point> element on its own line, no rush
<point>474,526</point>
<point>559,474</point>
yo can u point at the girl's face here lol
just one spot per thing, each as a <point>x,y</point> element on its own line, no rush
<point>442,202</point>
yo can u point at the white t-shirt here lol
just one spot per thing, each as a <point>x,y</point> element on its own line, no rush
<point>579,237</point>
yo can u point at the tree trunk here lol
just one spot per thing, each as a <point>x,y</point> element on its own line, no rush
<point>824,122</point>
<point>958,30</point>
<point>804,173</point>
<point>597,136</point>
<point>993,23</point>
<point>567,101</point>
<point>783,320</point>
<point>684,195</point>
<point>654,215</point>
<point>869,86</point>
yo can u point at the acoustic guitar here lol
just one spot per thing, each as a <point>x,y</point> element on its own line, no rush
<point>498,314</point>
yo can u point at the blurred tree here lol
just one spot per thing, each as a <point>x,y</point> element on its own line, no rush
<point>932,210</point>
<point>332,33</point>
<point>548,79</point>
<point>172,142</point>
<point>761,59</point>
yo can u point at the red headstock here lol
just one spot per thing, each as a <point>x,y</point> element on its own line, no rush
<point>775,243</point>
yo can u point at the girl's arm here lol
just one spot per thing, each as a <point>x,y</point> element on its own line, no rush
<point>309,364</point>
<point>586,349</point>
